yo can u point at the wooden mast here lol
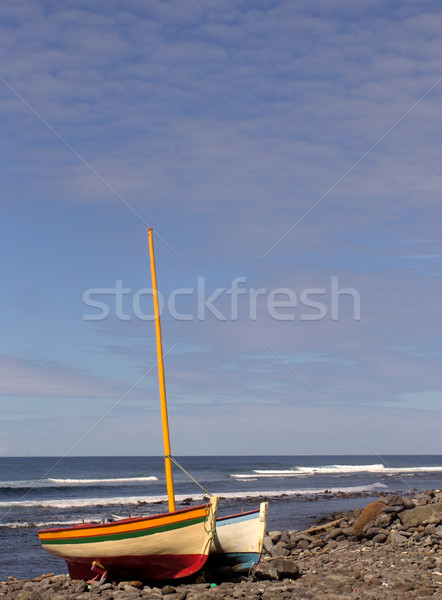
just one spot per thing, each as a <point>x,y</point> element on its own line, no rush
<point>164,418</point>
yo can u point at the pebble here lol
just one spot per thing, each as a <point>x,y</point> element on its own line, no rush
<point>395,555</point>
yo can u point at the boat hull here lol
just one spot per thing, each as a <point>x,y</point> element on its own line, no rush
<point>166,546</point>
<point>160,567</point>
<point>238,539</point>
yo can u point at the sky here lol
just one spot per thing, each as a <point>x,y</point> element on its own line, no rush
<point>287,155</point>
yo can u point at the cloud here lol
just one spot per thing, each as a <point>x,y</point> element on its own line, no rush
<point>423,400</point>
<point>270,92</point>
<point>33,378</point>
<point>285,142</point>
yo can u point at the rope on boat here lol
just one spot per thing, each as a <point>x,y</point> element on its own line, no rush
<point>175,462</point>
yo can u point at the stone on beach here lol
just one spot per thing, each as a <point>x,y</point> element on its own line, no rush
<point>397,555</point>
<point>280,568</point>
<point>420,515</point>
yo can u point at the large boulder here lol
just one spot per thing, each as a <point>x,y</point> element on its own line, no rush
<point>420,515</point>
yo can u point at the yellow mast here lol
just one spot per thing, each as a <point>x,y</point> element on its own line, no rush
<point>164,418</point>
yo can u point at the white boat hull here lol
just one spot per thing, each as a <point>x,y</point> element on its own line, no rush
<point>238,539</point>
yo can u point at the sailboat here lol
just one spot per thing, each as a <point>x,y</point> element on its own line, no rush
<point>166,546</point>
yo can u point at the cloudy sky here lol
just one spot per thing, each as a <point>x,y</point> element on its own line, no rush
<point>288,156</point>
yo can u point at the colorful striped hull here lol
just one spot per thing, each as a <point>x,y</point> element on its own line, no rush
<point>238,539</point>
<point>166,546</point>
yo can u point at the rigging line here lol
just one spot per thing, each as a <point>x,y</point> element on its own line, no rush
<point>353,166</point>
<point>80,158</point>
<point>175,462</point>
<point>212,525</point>
<point>335,412</point>
<point>87,432</point>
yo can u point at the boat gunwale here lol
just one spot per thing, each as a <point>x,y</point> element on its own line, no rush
<point>241,514</point>
<point>123,535</point>
<point>123,521</point>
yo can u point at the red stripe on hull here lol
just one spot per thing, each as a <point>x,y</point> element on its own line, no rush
<point>143,568</point>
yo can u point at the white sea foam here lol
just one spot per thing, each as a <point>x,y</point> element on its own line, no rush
<point>54,482</point>
<point>101,481</point>
<point>82,502</point>
<point>306,491</point>
<point>334,470</point>
<point>23,483</point>
<point>148,500</point>
<point>24,524</point>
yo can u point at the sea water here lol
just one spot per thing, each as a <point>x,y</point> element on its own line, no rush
<point>50,492</point>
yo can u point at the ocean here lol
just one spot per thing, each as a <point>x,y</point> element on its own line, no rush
<point>48,492</point>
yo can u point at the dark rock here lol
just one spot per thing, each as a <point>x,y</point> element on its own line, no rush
<point>423,499</point>
<point>280,568</point>
<point>371,532</point>
<point>420,515</point>
<point>395,500</point>
<point>406,533</point>
<point>392,509</point>
<point>368,526</point>
<point>383,520</point>
<point>278,551</point>
<point>396,539</point>
<point>285,536</point>
<point>80,588</point>
<point>168,589</point>
<point>267,544</point>
<point>334,533</point>
<point>301,536</point>
<point>275,536</point>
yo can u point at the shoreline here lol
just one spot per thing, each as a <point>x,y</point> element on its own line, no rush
<point>390,549</point>
<point>24,558</point>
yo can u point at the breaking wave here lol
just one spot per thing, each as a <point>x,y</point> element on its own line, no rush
<point>150,500</point>
<point>101,481</point>
<point>334,470</point>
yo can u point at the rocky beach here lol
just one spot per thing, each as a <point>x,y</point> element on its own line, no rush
<point>390,549</point>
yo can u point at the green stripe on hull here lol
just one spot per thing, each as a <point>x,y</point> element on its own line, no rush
<point>124,535</point>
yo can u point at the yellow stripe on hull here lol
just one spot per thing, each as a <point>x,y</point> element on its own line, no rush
<point>187,540</point>
<point>121,527</point>
<point>192,538</point>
